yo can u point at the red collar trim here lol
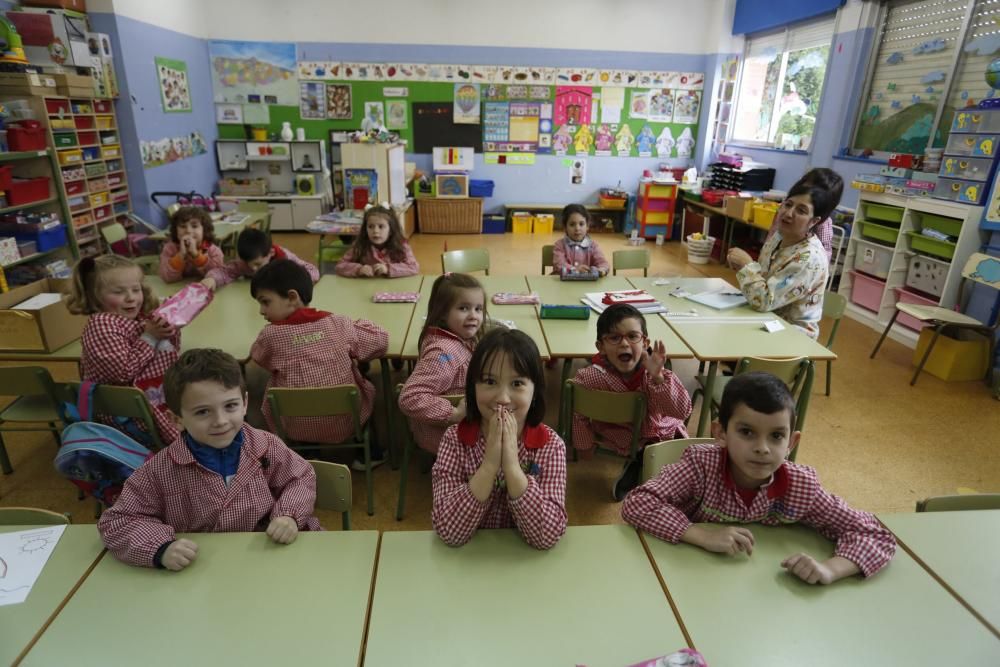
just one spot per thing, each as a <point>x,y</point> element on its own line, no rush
<point>304,316</point>
<point>776,487</point>
<point>534,437</point>
<point>278,252</point>
<point>632,383</point>
<point>439,331</point>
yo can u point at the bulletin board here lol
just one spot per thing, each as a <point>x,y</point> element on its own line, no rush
<point>433,126</point>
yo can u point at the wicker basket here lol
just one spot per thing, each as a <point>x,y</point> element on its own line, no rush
<point>233,186</point>
<point>450,216</point>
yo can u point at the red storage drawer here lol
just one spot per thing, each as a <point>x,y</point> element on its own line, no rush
<point>75,188</point>
<point>26,137</point>
<point>4,177</point>
<point>57,107</point>
<point>83,122</point>
<point>102,106</point>
<point>26,190</point>
<point>102,213</point>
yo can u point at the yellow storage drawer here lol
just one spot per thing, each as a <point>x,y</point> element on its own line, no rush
<point>655,217</point>
<point>108,152</point>
<point>522,223</point>
<point>99,199</point>
<point>662,191</point>
<point>544,223</point>
<point>74,156</point>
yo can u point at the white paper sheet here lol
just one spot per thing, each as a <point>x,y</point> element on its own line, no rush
<point>39,301</point>
<point>23,554</point>
<point>719,300</point>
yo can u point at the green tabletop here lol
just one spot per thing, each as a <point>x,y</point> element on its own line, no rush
<point>353,297</point>
<point>684,310</point>
<point>525,317</point>
<point>721,341</point>
<point>77,550</point>
<point>971,570</point>
<point>748,610</point>
<point>575,338</point>
<point>244,601</point>
<point>593,599</point>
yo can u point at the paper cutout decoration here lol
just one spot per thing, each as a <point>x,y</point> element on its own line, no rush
<point>687,104</point>
<point>319,70</point>
<point>171,149</point>
<point>312,100</point>
<point>603,140</point>
<point>661,106</point>
<point>466,105</point>
<point>562,139</point>
<point>930,46</point>
<point>395,113</point>
<point>665,143</point>
<point>644,142</point>
<point>985,45</point>
<point>573,105</point>
<point>583,140</point>
<point>933,77</point>
<point>894,58</point>
<point>639,104</point>
<point>624,141</point>
<point>338,101</point>
<point>685,143</point>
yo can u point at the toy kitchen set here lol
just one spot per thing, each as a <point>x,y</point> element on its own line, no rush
<point>290,176</point>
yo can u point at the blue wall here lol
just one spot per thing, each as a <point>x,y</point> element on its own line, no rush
<point>140,113</point>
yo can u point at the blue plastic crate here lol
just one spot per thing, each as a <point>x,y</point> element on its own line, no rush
<point>480,188</point>
<point>494,224</point>
<point>46,240</point>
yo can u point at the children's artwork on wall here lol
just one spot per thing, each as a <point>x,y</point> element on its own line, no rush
<point>263,68</point>
<point>661,106</point>
<point>229,114</point>
<point>624,141</point>
<point>172,149</point>
<point>517,92</point>
<point>539,92</point>
<point>583,140</point>
<point>395,113</point>
<point>562,139</point>
<point>685,143</point>
<point>312,100</point>
<point>175,93</point>
<point>319,70</point>
<point>665,143</point>
<point>645,141</point>
<point>687,104</point>
<point>612,102</point>
<point>603,140</point>
<point>374,116</point>
<point>577,171</point>
<point>573,105</point>
<point>338,101</point>
<point>466,104</point>
<point>639,104</point>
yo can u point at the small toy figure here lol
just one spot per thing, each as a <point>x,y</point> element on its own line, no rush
<point>562,139</point>
<point>665,143</point>
<point>583,140</point>
<point>645,140</point>
<point>685,143</point>
<point>624,140</point>
<point>604,138</point>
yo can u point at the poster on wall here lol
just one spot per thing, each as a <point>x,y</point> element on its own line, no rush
<point>573,105</point>
<point>466,104</point>
<point>312,100</point>
<point>229,114</point>
<point>374,116</point>
<point>496,124</point>
<point>241,69</point>
<point>638,106</point>
<point>687,104</point>
<point>395,115</point>
<point>661,106</point>
<point>175,93</point>
<point>171,149</point>
<point>256,114</point>
<point>338,101</point>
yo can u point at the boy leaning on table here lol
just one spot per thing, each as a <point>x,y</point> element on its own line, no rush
<point>221,475</point>
<point>745,478</point>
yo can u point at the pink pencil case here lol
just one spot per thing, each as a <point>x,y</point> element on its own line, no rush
<point>181,308</point>
<point>515,299</point>
<point>686,657</point>
<point>396,297</point>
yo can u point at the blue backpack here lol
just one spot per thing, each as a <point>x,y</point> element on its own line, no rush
<point>95,457</point>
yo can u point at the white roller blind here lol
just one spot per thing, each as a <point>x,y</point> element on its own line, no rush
<point>811,34</point>
<point>766,45</point>
<point>970,75</point>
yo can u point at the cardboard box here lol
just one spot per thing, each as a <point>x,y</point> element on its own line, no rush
<point>26,83</point>
<point>52,36</point>
<point>74,85</point>
<point>954,360</point>
<point>43,330</point>
<point>739,207</point>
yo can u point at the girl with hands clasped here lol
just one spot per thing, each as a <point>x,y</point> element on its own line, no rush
<point>501,466</point>
<point>191,251</point>
<point>380,250</point>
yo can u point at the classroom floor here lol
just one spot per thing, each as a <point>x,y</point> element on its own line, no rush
<point>876,441</point>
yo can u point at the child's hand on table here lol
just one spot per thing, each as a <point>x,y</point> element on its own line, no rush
<point>811,571</point>
<point>283,529</point>
<point>366,271</point>
<point>179,555</point>
<point>381,270</point>
<point>720,539</point>
<point>209,283</point>
<point>654,359</point>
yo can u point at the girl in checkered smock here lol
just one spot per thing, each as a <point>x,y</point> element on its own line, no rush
<point>123,342</point>
<point>455,314</point>
<point>191,251</point>
<point>501,467</point>
<point>380,250</point>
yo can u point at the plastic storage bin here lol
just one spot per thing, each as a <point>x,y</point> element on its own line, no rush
<point>27,137</point>
<point>883,213</point>
<point>48,239</point>
<point>976,121</point>
<point>904,296</point>
<point>953,360</point>
<point>480,188</point>
<point>871,230</point>
<point>872,258</point>
<point>72,156</point>
<point>975,145</point>
<point>521,223</point>
<point>763,214</point>
<point>921,243</point>
<point>927,274</point>
<point>5,177</point>
<point>972,168</point>
<point>967,192</point>
<point>949,226</point>
<point>867,291</point>
<point>27,190</point>
<point>544,223</point>
<point>64,139</point>
<point>494,224</point>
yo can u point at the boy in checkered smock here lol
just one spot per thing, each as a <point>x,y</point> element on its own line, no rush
<point>219,476</point>
<point>625,361</point>
<point>305,347</point>
<point>501,467</point>
<point>255,250</point>
<point>745,478</point>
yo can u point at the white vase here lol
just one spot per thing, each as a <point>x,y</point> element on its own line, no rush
<point>286,131</point>
<point>300,134</point>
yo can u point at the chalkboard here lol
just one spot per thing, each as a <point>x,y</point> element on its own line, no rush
<point>433,126</point>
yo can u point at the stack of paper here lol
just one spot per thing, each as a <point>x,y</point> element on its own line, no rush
<point>640,299</point>
<point>720,299</point>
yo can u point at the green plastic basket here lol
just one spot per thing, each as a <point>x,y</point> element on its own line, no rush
<point>883,213</point>
<point>949,226</point>
<point>870,230</point>
<point>944,249</point>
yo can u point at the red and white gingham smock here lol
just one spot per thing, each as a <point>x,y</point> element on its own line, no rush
<point>314,348</point>
<point>349,265</point>
<point>172,493</point>
<point>667,406</point>
<point>567,253</point>
<point>240,269</point>
<point>444,361</point>
<point>698,489</point>
<point>539,514</point>
<point>174,267</point>
<point>114,352</point>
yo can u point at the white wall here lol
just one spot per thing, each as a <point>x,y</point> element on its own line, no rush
<point>655,26</point>
<point>183,16</point>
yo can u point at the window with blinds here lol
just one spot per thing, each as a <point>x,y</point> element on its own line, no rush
<point>908,100</point>
<point>781,84</point>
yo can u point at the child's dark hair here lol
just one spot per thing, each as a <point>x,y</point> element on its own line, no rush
<point>281,277</point>
<point>579,209</point>
<point>443,294</point>
<point>759,391</point>
<point>185,213</point>
<point>198,366</point>
<point>523,354</point>
<point>824,187</point>
<point>612,315</point>
<point>253,244</point>
<point>394,245</point>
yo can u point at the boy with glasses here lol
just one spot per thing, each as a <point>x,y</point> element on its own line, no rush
<point>625,361</point>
